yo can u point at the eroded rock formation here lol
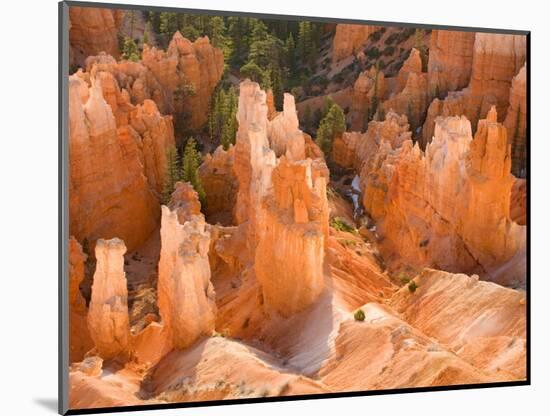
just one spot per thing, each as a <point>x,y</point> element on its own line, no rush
<point>349,39</point>
<point>188,72</point>
<point>108,315</point>
<point>93,30</point>
<point>290,253</point>
<point>496,60</point>
<point>450,60</point>
<point>449,207</point>
<point>516,123</point>
<point>186,297</point>
<point>219,183</point>
<point>108,192</point>
<point>79,336</point>
<point>368,92</point>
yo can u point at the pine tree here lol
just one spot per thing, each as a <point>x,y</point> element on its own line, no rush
<point>168,23</point>
<point>291,53</point>
<point>331,126</point>
<point>190,168</point>
<point>327,105</point>
<point>172,174</point>
<point>130,50</point>
<point>146,33</point>
<point>253,71</point>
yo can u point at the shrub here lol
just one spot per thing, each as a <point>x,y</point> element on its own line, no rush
<point>340,225</point>
<point>375,36</point>
<point>388,51</point>
<point>403,278</point>
<point>412,286</point>
<point>359,315</point>
<point>373,53</point>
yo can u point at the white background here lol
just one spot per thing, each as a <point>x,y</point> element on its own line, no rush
<point>28,231</point>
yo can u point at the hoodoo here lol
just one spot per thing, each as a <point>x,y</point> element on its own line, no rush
<point>108,315</point>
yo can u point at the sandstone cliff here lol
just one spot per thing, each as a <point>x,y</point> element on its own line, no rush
<point>516,123</point>
<point>108,192</point>
<point>108,315</point>
<point>496,60</point>
<point>93,30</point>
<point>410,195</point>
<point>450,61</point>
<point>188,72</point>
<point>348,40</point>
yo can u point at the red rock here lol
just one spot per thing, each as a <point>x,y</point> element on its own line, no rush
<point>108,192</point>
<point>196,64</point>
<point>496,60</point>
<point>219,183</point>
<point>516,122</point>
<point>108,319</point>
<point>518,202</point>
<point>91,31</point>
<point>368,84</point>
<point>450,207</point>
<point>186,297</point>
<point>79,336</point>
<point>290,252</point>
<point>450,60</point>
<point>349,39</point>
<point>185,201</point>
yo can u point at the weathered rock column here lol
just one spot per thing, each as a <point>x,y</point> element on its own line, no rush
<point>186,297</point>
<point>108,319</point>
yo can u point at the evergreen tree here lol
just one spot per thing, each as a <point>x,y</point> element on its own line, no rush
<point>238,36</point>
<point>172,173</point>
<point>331,126</point>
<point>146,31</point>
<point>253,71</point>
<point>190,168</point>
<point>327,105</point>
<point>130,50</point>
<point>168,23</point>
<point>291,53</point>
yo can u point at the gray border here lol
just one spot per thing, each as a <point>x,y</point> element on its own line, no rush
<point>63,220</point>
<point>63,212</point>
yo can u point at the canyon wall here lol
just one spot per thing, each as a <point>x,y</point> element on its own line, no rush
<point>449,207</point>
<point>108,319</point>
<point>516,123</point>
<point>187,72</point>
<point>450,61</point>
<point>109,194</point>
<point>496,60</point>
<point>349,39</point>
<point>91,31</point>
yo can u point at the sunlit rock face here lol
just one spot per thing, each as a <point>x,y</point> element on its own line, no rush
<point>450,60</point>
<point>290,253</point>
<point>109,194</point>
<point>281,202</point>
<point>349,39</point>
<point>185,201</point>
<point>185,64</point>
<point>79,336</point>
<point>450,206</point>
<point>484,323</point>
<point>108,313</point>
<point>92,31</point>
<point>186,297</point>
<point>368,91</point>
<point>496,60</point>
<point>516,123</point>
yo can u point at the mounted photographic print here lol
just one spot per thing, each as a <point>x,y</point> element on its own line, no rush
<point>263,208</point>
